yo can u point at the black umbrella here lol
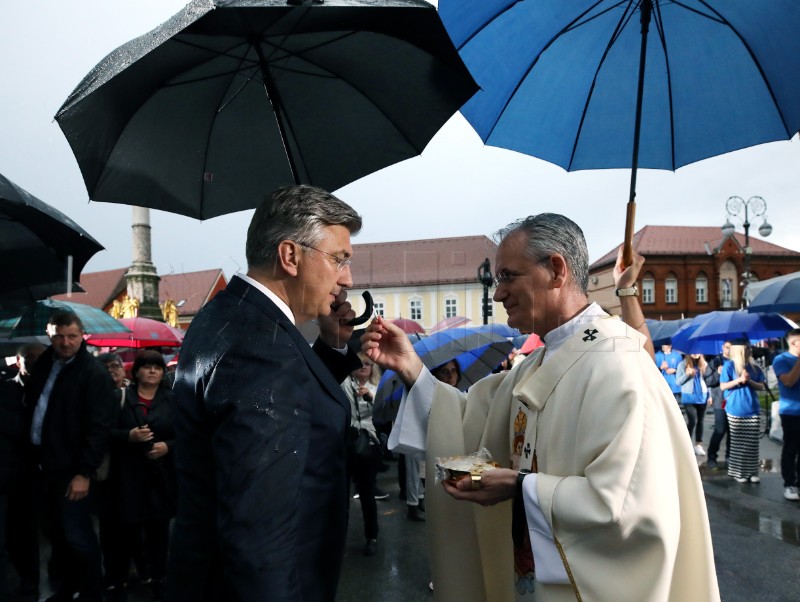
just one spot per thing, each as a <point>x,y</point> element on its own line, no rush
<point>230,99</point>
<point>37,242</point>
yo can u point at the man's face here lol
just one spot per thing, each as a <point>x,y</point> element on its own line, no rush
<point>794,345</point>
<point>523,287</point>
<point>319,274</point>
<point>66,340</point>
<point>726,350</point>
<point>666,348</point>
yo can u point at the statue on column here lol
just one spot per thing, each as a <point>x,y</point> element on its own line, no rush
<point>170,312</point>
<point>130,307</point>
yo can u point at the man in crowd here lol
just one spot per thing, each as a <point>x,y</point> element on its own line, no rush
<point>18,531</point>
<point>787,371</point>
<point>71,397</point>
<point>711,376</point>
<point>607,499</point>
<point>261,421</point>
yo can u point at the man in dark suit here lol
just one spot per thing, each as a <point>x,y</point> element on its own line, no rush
<point>261,424</point>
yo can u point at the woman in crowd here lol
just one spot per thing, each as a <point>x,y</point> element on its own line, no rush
<point>362,468</point>
<point>739,381</point>
<point>142,465</point>
<point>694,396</point>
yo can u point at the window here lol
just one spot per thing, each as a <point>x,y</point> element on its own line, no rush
<point>648,289</point>
<point>450,307</point>
<point>416,309</point>
<point>379,308</point>
<point>701,289</point>
<point>671,289</point>
<point>726,293</point>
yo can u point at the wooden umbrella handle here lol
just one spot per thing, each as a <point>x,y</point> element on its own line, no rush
<point>627,247</point>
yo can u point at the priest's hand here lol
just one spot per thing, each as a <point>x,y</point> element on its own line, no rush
<point>496,486</point>
<point>388,346</point>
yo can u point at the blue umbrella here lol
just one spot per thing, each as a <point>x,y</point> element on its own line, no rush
<point>781,296</point>
<point>590,84</point>
<point>707,332</point>
<point>662,331</point>
<point>477,354</point>
<point>504,330</point>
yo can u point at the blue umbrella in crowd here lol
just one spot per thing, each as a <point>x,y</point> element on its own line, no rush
<point>706,333</point>
<point>595,84</point>
<point>477,353</point>
<point>781,296</point>
<point>662,331</point>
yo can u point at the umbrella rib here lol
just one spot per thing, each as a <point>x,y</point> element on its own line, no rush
<point>756,62</point>
<point>531,66</point>
<point>621,24</point>
<point>659,23</point>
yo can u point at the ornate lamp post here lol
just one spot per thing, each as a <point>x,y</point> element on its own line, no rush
<point>734,206</point>
<point>485,278</point>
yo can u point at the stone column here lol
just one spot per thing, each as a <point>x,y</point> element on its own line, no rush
<point>142,276</point>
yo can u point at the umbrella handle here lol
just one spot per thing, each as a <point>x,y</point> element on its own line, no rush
<point>367,312</point>
<point>627,247</point>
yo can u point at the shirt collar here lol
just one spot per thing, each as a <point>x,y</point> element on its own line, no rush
<point>554,339</point>
<point>270,295</point>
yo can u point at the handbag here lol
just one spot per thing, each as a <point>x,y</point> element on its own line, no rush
<point>359,442</point>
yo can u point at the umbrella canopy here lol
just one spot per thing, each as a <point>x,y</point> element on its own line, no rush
<point>504,330</point>
<point>408,326</point>
<point>453,322</point>
<point>477,354</point>
<point>706,332</point>
<point>781,296</point>
<point>532,343</point>
<point>590,84</point>
<point>33,320</point>
<point>661,331</point>
<point>36,242</point>
<point>230,99</point>
<point>144,332</point>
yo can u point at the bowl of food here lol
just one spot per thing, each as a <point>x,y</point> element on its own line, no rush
<point>455,468</point>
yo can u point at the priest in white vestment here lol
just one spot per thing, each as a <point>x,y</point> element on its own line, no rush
<point>599,472</point>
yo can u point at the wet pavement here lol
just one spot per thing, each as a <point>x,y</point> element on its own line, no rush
<point>756,535</point>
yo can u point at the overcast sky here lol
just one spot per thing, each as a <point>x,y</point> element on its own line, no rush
<point>458,187</point>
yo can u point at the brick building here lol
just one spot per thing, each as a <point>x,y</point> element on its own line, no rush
<point>691,270</point>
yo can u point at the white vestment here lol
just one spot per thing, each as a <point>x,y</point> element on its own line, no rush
<point>618,482</point>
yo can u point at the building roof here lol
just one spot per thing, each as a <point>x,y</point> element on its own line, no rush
<point>193,288</point>
<point>689,240</point>
<point>101,288</point>
<point>420,262</point>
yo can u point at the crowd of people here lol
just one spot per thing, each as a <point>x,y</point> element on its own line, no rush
<point>86,462</point>
<point>234,483</point>
<point>729,384</point>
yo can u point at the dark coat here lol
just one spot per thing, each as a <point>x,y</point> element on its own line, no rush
<point>260,457</point>
<point>80,412</point>
<point>143,489</point>
<point>13,440</point>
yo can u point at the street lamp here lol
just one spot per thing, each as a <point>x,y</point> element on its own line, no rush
<point>485,278</point>
<point>734,206</point>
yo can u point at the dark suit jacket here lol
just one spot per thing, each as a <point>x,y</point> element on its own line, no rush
<point>260,458</point>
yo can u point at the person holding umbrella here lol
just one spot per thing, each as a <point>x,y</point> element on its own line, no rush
<point>605,499</point>
<point>739,380</point>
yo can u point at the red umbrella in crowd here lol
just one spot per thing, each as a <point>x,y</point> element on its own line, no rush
<point>408,326</point>
<point>452,322</point>
<point>144,333</point>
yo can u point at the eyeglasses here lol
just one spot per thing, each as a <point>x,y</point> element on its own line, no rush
<point>341,262</point>
<point>505,277</point>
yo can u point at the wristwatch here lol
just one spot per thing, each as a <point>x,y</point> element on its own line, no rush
<point>631,291</point>
<point>520,477</point>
